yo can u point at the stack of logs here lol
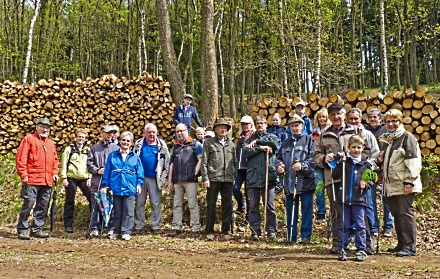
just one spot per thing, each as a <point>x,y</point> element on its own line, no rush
<point>421,113</point>
<point>88,104</point>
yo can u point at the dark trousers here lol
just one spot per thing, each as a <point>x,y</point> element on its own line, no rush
<point>70,198</point>
<point>225,189</point>
<point>254,195</point>
<point>401,207</point>
<point>38,196</point>
<point>239,179</point>
<point>334,211</point>
<point>357,214</point>
<point>124,214</point>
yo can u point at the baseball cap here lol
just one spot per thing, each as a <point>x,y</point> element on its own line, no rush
<point>246,119</point>
<point>188,96</point>
<point>106,129</point>
<point>44,121</point>
<point>334,106</point>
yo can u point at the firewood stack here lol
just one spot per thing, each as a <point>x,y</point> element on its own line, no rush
<point>88,104</point>
<point>420,112</point>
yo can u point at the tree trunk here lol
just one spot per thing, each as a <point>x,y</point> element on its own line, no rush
<point>284,89</point>
<point>231,58</point>
<point>169,55</point>
<point>209,64</point>
<point>414,34</point>
<point>406,43</point>
<point>383,48</point>
<point>316,87</point>
<point>31,33</point>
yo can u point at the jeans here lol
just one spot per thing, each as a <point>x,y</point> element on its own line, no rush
<point>356,213</point>
<point>306,215</point>
<point>70,198</point>
<point>320,196</point>
<point>388,219</point>
<point>38,196</point>
<point>149,188</point>
<point>225,189</point>
<point>124,214</point>
<point>191,193</point>
<point>239,179</point>
<point>253,196</point>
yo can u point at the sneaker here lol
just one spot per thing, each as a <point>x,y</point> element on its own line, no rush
<point>406,253</point>
<point>254,237</point>
<point>320,218</point>
<point>113,236</point>
<point>110,232</point>
<point>305,241</point>
<point>387,234</point>
<point>360,256</point>
<point>68,230</point>
<point>334,250</point>
<point>195,234</point>
<point>342,256</point>
<point>24,235</point>
<point>210,237</point>
<point>39,234</point>
<point>225,237</point>
<point>94,233</point>
<point>272,235</point>
<point>126,237</point>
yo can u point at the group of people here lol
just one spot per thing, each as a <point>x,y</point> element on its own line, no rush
<point>344,157</point>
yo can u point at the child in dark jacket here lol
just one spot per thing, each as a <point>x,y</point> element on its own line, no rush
<point>353,204</point>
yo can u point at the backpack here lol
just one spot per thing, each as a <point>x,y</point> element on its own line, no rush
<point>74,149</point>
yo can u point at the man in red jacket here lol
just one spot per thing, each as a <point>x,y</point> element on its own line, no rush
<point>37,166</point>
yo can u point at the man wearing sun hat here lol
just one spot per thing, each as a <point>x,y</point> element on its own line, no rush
<point>219,166</point>
<point>300,109</point>
<point>37,166</point>
<point>185,113</point>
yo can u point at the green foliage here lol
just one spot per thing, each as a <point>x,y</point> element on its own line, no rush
<point>369,175</point>
<point>10,185</point>
<point>319,187</point>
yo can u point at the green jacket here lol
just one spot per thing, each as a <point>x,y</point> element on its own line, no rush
<point>256,160</point>
<point>74,163</point>
<point>219,162</point>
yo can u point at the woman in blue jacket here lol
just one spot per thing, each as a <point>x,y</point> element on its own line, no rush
<point>124,175</point>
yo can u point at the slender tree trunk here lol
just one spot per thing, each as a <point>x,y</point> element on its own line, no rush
<point>383,47</point>
<point>127,55</point>
<point>414,34</point>
<point>316,87</point>
<point>406,43</point>
<point>169,55</point>
<point>231,58</point>
<point>219,31</point>
<point>353,41</point>
<point>361,47</point>
<point>398,43</point>
<point>209,64</point>
<point>284,89</point>
<point>31,33</point>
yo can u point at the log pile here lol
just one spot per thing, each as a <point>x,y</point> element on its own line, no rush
<point>89,104</point>
<point>420,111</point>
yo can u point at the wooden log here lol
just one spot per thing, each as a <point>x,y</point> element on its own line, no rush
<point>383,108</point>
<point>373,94</point>
<point>425,136</point>
<point>427,109</point>
<point>409,128</point>
<point>314,106</point>
<point>335,98</point>
<point>407,103</point>
<point>431,144</point>
<point>416,114</point>
<point>313,97</point>
<point>406,113</point>
<point>407,120</point>
<point>351,95</point>
<point>284,102</point>
<point>388,100</point>
<point>437,151</point>
<point>323,101</point>
<point>282,112</point>
<point>428,99</point>
<point>426,120</point>
<point>437,139</point>
<point>397,106</point>
<point>425,151</point>
<point>408,93</point>
<point>264,103</point>
<point>418,104</point>
<point>433,114</point>
<point>362,105</point>
<point>420,92</point>
<point>437,121</point>
<point>398,95</point>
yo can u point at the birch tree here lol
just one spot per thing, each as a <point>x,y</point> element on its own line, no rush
<point>383,46</point>
<point>30,40</point>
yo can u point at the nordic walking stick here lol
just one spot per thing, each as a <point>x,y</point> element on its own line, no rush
<point>265,192</point>
<point>343,254</point>
<point>380,217</point>
<point>293,205</point>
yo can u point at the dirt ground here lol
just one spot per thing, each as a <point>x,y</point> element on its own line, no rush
<point>147,256</point>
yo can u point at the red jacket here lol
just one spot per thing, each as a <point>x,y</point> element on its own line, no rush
<point>37,160</point>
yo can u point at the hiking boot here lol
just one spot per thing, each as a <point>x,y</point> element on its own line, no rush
<point>137,231</point>
<point>369,251</point>
<point>126,237</point>
<point>360,256</point>
<point>394,250</point>
<point>287,242</point>
<point>94,233</point>
<point>305,241</point>
<point>24,235</point>
<point>210,237</point>
<point>225,237</point>
<point>387,234</point>
<point>406,253</point>
<point>342,256</point>
<point>110,232</point>
<point>334,250</point>
<point>320,218</point>
<point>39,234</point>
<point>69,230</point>
<point>175,233</point>
<point>254,237</point>
<point>272,235</point>
<point>195,234</point>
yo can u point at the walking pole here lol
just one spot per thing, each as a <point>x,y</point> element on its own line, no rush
<point>380,217</point>
<point>293,205</point>
<point>265,192</point>
<point>343,254</point>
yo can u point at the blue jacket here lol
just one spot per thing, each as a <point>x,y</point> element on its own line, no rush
<point>278,131</point>
<point>186,118</point>
<point>307,127</point>
<point>123,176</point>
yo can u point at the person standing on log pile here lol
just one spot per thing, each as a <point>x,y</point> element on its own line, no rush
<point>401,164</point>
<point>37,166</point>
<point>219,167</point>
<point>330,143</point>
<point>115,136</point>
<point>300,109</point>
<point>259,150</point>
<point>370,152</point>
<point>96,164</point>
<point>185,166</point>
<point>378,128</point>
<point>277,130</point>
<point>185,113</point>
<point>74,174</point>
<point>245,130</point>
<point>295,163</point>
<point>155,160</point>
<point>321,123</point>
<point>200,134</point>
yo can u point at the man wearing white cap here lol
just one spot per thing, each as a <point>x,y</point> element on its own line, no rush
<point>300,109</point>
<point>185,113</point>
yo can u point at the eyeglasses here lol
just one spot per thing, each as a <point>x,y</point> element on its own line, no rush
<point>181,131</point>
<point>392,121</point>
<point>125,140</point>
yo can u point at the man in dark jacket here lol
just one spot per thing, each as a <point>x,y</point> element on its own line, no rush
<point>219,166</point>
<point>295,161</point>
<point>96,160</point>
<point>260,150</point>
<point>185,113</point>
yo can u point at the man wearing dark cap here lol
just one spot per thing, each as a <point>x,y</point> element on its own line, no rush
<point>37,166</point>
<point>95,164</point>
<point>185,113</point>
<point>329,144</point>
<point>219,167</point>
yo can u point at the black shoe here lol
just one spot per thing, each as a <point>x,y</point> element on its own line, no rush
<point>335,250</point>
<point>394,250</point>
<point>137,231</point>
<point>287,242</point>
<point>320,218</point>
<point>272,235</point>
<point>39,234</point>
<point>406,253</point>
<point>175,233</point>
<point>305,241</point>
<point>254,237</point>
<point>195,234</point>
<point>369,251</point>
<point>156,231</point>
<point>69,230</point>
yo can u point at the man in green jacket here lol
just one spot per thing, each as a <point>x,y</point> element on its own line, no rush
<point>74,174</point>
<point>260,149</point>
<point>219,167</point>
